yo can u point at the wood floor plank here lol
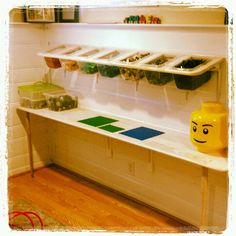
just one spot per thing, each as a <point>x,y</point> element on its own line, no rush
<point>80,204</point>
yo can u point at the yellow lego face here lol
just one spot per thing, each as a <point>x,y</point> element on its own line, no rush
<point>206,133</point>
<point>209,128</point>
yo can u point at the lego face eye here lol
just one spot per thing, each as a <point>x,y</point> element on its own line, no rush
<point>194,128</point>
<point>205,131</point>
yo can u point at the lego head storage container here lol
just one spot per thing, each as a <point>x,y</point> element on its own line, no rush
<point>209,128</point>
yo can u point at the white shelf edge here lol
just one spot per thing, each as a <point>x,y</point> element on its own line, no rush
<point>146,25</point>
<point>128,25</point>
<point>162,144</point>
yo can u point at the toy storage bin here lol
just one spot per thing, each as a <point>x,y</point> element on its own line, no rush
<point>155,77</point>
<point>158,78</point>
<point>88,67</point>
<point>191,63</point>
<point>35,91</point>
<point>108,71</point>
<point>191,82</point>
<point>58,101</point>
<point>69,65</point>
<point>130,73</point>
<point>53,63</point>
<point>31,103</point>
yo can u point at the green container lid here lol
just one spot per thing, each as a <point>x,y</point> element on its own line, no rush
<point>39,86</point>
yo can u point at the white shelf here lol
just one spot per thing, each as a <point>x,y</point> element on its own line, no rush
<point>119,24</point>
<point>168,67</point>
<point>171,143</point>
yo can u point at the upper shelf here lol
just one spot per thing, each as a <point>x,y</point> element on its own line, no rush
<point>149,61</point>
<point>119,24</point>
<point>171,143</point>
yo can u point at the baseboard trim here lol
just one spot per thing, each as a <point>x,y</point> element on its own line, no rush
<point>26,169</point>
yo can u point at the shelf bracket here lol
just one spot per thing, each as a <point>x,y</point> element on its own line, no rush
<point>97,77</point>
<point>204,198</point>
<point>136,85</point>
<point>110,149</point>
<point>218,71</point>
<point>29,139</point>
<point>150,165</point>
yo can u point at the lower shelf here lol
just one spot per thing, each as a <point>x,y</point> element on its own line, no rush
<point>171,143</point>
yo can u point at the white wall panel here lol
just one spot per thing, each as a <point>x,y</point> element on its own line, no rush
<point>25,67</point>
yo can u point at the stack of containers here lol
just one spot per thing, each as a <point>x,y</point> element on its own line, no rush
<point>32,96</point>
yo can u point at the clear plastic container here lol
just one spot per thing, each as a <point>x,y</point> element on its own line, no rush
<point>130,73</point>
<point>69,65</point>
<point>35,91</point>
<point>159,78</point>
<point>88,67</point>
<point>57,101</point>
<point>34,104</point>
<point>191,82</point>
<point>108,71</point>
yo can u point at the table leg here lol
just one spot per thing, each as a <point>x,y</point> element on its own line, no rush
<point>204,198</point>
<point>29,139</point>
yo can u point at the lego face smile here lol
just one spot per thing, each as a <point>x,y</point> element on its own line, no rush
<point>208,128</point>
<point>200,132</point>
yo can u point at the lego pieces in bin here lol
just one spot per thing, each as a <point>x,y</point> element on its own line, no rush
<point>191,82</point>
<point>132,74</point>
<point>137,56</point>
<point>190,63</point>
<point>108,71</point>
<point>60,101</point>
<point>53,63</point>
<point>158,78</point>
<point>33,104</point>
<point>89,68</point>
<point>69,65</point>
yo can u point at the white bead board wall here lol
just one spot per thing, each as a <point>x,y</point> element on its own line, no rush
<point>25,68</point>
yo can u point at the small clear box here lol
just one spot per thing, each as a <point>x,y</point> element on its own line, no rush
<point>57,101</point>
<point>34,104</point>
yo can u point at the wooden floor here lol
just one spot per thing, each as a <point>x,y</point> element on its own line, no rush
<point>81,204</point>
